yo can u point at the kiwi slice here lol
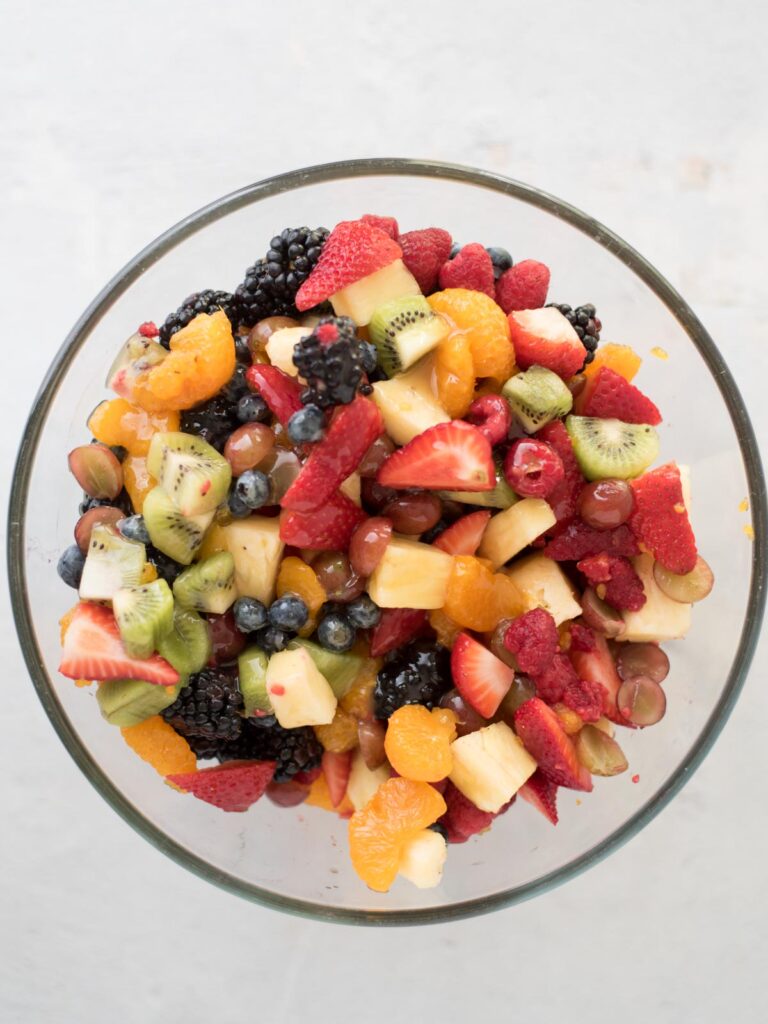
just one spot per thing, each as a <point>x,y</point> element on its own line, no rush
<point>611,448</point>
<point>175,535</point>
<point>252,672</point>
<point>144,616</point>
<point>340,670</point>
<point>403,330</point>
<point>502,495</point>
<point>537,396</point>
<point>188,644</point>
<point>208,586</point>
<point>125,702</point>
<point>112,562</point>
<point>191,472</point>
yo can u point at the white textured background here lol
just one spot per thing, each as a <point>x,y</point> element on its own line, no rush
<point>118,118</point>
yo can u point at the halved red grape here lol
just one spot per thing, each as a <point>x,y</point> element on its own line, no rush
<point>101,515</point>
<point>413,513</point>
<point>97,469</point>
<point>287,794</point>
<point>374,497</point>
<point>226,639</point>
<point>368,544</point>
<point>689,588</point>
<point>337,577</point>
<point>282,467</point>
<point>263,331</point>
<point>375,457</point>
<point>641,701</point>
<point>467,719</point>
<point>599,615</point>
<point>521,690</point>
<point>247,446</point>
<point>606,504</point>
<point>498,646</point>
<point>370,736</point>
<point>642,660</point>
<point>598,752</point>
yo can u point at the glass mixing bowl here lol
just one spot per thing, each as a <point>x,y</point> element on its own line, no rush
<point>297,860</point>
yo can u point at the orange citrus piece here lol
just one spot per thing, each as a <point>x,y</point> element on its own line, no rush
<point>377,834</point>
<point>358,700</point>
<point>619,358</point>
<point>320,797</point>
<point>418,742</point>
<point>486,327</point>
<point>340,735</point>
<point>118,421</point>
<point>148,573</point>
<point>455,374</point>
<point>476,597</point>
<point>137,480</point>
<point>160,745</point>
<point>446,629</point>
<point>296,577</point>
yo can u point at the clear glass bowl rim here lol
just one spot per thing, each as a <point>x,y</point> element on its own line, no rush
<point>263,190</point>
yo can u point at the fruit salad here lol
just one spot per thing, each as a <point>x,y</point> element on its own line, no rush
<point>379,533</point>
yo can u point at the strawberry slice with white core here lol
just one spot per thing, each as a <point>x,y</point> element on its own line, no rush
<point>543,337</point>
<point>546,741</point>
<point>463,537</point>
<point>352,251</point>
<point>336,768</point>
<point>541,793</point>
<point>449,456</point>
<point>93,650</point>
<point>597,666</point>
<point>482,679</point>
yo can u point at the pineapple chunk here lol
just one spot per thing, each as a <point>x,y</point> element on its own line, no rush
<point>257,549</point>
<point>660,618</point>
<point>364,781</point>
<point>408,404</point>
<point>410,575</point>
<point>490,765</point>
<point>361,299</point>
<point>513,529</point>
<point>423,858</point>
<point>299,693</point>
<point>543,584</point>
<point>351,487</point>
<point>280,347</point>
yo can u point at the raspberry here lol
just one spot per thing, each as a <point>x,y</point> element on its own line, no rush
<point>424,253</point>
<point>523,286</point>
<point>551,683</point>
<point>623,587</point>
<point>585,698</point>
<point>533,640</point>
<point>582,637</point>
<point>470,268</point>
<point>579,541</point>
<point>564,497</point>
<point>462,819</point>
<point>387,224</point>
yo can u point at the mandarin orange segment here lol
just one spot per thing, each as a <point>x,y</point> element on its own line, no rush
<point>358,700</point>
<point>296,577</point>
<point>319,796</point>
<point>340,735</point>
<point>137,480</point>
<point>118,421</point>
<point>486,328</point>
<point>470,595</point>
<point>160,745</point>
<point>418,742</point>
<point>509,601</point>
<point>619,358</point>
<point>455,374</point>
<point>201,361</point>
<point>398,810</point>
<point>446,629</point>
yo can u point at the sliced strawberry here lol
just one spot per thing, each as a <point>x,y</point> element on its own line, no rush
<point>396,626</point>
<point>352,251</point>
<point>564,497</point>
<point>329,528</point>
<point>481,678</point>
<point>541,792</point>
<point>597,666</point>
<point>450,456</point>
<point>470,268</point>
<point>233,786</point>
<point>463,537</point>
<point>543,337</point>
<point>523,286</point>
<point>93,650</point>
<point>613,397</point>
<point>660,520</point>
<point>336,768</point>
<point>352,432</point>
<point>424,252</point>
<point>579,541</point>
<point>281,392</point>
<point>386,224</point>
<point>548,744</point>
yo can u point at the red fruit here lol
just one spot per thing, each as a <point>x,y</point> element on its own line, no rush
<point>226,639</point>
<point>492,417</point>
<point>532,468</point>
<point>470,268</point>
<point>424,252</point>
<point>307,778</point>
<point>579,541</point>
<point>541,792</point>
<point>523,286</point>
<point>233,786</point>
<point>481,678</point>
<point>368,544</point>
<point>533,639</point>
<point>336,768</point>
<point>352,251</point>
<point>396,626</point>
<point>543,337</point>
<point>281,392</point>
<point>564,497</point>
<point>93,650</point>
<point>582,637</point>
<point>329,528</point>
<point>462,819</point>
<point>586,698</point>
<point>597,666</point>
<point>353,430</point>
<point>148,329</point>
<point>463,537</point>
<point>546,741</point>
<point>660,519</point>
<point>450,456</point>
<point>613,397</point>
<point>386,224</point>
<point>551,683</point>
<point>623,587</point>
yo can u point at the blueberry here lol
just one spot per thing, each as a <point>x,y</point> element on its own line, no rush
<point>118,451</point>
<point>134,528</point>
<point>500,259</point>
<point>252,408</point>
<point>336,633</point>
<point>368,356</point>
<point>250,614</point>
<point>363,612</point>
<point>252,489</point>
<point>288,612</point>
<point>307,424</point>
<point>236,386</point>
<point>70,566</point>
<point>271,639</point>
<point>455,249</point>
<point>237,507</point>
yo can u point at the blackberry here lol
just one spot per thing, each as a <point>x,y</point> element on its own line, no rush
<point>207,301</point>
<point>166,567</point>
<point>271,284</point>
<point>264,739</point>
<point>213,421</point>
<point>332,361</point>
<point>418,673</point>
<point>585,322</point>
<point>208,708</point>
